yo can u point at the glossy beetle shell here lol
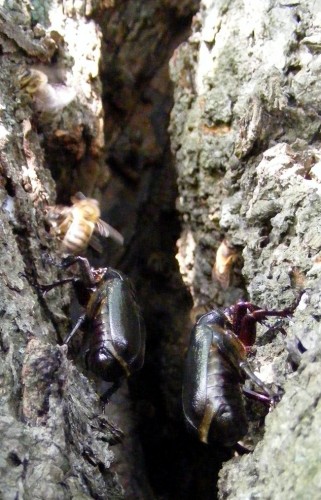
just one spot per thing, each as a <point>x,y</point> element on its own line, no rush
<point>212,395</point>
<point>116,333</point>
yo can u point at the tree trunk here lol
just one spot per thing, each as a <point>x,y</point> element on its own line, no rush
<point>225,158</point>
<point>245,131</point>
<point>55,441</point>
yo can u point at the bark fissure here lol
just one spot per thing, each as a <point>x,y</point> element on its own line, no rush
<point>223,151</point>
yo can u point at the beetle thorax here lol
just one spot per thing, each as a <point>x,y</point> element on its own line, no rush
<point>99,274</point>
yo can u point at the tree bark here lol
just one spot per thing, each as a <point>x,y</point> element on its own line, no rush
<point>241,163</point>
<point>55,442</point>
<point>245,135</point>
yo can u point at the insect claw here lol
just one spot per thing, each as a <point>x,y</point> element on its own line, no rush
<point>42,289</point>
<point>29,277</point>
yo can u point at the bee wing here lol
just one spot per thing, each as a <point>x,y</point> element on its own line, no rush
<point>95,244</point>
<point>108,231</point>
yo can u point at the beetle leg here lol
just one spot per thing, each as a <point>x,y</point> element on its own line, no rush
<point>245,367</point>
<point>257,396</point>
<point>277,326</point>
<point>241,450</point>
<point>80,321</point>
<point>243,322</point>
<point>116,433</point>
<point>247,329</point>
<point>261,314</point>
<point>245,315</point>
<point>46,288</point>
<point>88,277</point>
<point>104,398</point>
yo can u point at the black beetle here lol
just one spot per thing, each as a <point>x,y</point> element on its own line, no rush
<point>216,367</point>
<point>114,328</point>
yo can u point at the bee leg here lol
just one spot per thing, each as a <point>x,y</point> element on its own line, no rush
<point>80,321</point>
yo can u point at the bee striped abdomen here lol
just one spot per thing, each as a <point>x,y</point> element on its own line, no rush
<point>78,235</point>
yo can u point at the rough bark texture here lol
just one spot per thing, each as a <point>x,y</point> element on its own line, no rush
<point>240,163</point>
<point>55,442</point>
<point>245,135</point>
<point>49,394</point>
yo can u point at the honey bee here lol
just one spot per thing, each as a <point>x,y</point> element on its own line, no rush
<point>48,97</point>
<point>226,255</point>
<point>75,225</point>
